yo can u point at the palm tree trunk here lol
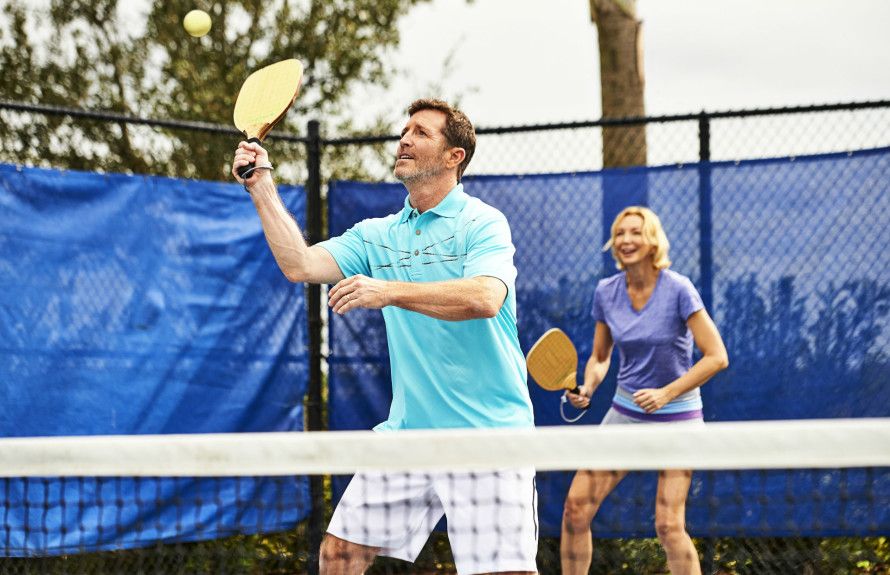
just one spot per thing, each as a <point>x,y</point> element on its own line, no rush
<point>621,79</point>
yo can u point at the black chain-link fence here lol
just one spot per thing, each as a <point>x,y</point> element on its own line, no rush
<point>757,299</point>
<point>669,140</point>
<point>796,303</point>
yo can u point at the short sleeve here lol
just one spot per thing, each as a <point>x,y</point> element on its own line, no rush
<point>349,251</point>
<point>596,312</point>
<point>490,250</point>
<point>689,299</point>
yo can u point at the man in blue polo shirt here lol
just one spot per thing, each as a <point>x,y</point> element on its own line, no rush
<point>441,270</point>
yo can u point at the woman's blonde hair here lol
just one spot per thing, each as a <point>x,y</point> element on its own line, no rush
<point>653,233</point>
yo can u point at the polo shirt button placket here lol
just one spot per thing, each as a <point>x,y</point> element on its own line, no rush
<point>415,270</point>
<point>417,233</point>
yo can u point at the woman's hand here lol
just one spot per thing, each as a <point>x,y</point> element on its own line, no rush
<point>651,400</point>
<point>580,400</point>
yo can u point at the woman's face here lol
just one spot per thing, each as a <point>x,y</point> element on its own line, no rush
<point>630,244</point>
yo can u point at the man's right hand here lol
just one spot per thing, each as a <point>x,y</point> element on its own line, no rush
<point>250,153</point>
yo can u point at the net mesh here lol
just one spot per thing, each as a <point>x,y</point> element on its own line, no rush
<point>809,496</point>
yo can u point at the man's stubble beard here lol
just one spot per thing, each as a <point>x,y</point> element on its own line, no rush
<point>418,176</point>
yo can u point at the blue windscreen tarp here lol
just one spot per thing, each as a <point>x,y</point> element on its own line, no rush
<point>801,302</point>
<point>143,305</point>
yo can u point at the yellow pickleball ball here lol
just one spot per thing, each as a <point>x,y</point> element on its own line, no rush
<point>197,23</point>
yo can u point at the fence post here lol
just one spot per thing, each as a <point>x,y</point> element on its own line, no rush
<point>313,404</point>
<point>706,277</point>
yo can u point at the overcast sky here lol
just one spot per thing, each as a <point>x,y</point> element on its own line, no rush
<point>530,61</point>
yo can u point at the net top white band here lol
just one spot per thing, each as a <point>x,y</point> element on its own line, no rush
<point>836,443</point>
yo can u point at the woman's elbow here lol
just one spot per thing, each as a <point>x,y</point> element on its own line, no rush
<point>722,361</point>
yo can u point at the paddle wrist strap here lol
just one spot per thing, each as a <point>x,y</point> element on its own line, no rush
<point>251,170</point>
<point>562,411</point>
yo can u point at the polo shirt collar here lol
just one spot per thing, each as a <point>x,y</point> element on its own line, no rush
<point>449,207</point>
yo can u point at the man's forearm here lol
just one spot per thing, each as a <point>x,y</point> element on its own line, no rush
<point>454,300</point>
<point>282,233</point>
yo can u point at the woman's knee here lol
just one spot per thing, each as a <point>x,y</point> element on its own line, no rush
<point>578,513</point>
<point>669,527</point>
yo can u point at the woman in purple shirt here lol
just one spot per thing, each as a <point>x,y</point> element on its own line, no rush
<point>654,316</point>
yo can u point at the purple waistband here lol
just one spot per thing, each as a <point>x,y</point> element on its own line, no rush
<point>682,416</point>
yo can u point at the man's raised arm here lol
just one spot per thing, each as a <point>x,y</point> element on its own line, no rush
<point>298,261</point>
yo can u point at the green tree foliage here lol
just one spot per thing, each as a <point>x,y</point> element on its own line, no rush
<point>106,55</point>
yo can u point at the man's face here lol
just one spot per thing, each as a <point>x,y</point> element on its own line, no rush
<point>423,151</point>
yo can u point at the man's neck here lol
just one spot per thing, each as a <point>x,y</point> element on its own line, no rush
<point>427,194</point>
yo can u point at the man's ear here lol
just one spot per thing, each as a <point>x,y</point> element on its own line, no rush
<point>456,156</point>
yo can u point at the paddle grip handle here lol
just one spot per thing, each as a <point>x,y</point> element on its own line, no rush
<point>249,167</point>
<point>577,391</point>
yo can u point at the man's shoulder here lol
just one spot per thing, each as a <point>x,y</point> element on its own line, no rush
<point>479,211</point>
<point>379,223</point>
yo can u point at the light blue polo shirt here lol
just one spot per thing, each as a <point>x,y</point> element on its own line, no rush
<point>445,374</point>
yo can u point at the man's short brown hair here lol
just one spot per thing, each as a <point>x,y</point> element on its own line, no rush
<point>459,131</point>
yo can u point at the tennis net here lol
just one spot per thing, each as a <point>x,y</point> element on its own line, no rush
<point>808,496</point>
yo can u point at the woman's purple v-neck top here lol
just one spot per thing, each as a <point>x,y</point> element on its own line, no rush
<point>654,343</point>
